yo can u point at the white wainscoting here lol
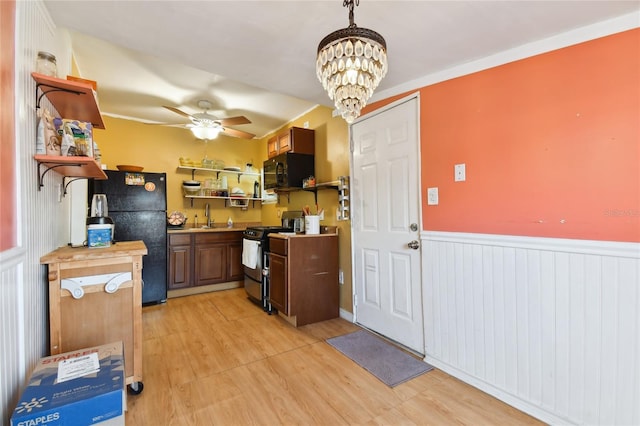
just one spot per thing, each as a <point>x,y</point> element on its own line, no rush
<point>550,326</point>
<point>40,214</point>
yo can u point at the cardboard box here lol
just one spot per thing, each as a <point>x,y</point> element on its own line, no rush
<point>54,398</point>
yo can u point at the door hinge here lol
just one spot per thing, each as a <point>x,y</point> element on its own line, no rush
<point>355,300</point>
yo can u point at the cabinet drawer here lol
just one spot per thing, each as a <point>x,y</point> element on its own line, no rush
<point>179,239</point>
<point>218,237</point>
<point>278,246</point>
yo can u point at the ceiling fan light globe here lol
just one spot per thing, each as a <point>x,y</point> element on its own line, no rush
<point>205,133</point>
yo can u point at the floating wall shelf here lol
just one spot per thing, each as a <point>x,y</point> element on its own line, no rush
<point>72,99</point>
<point>73,167</point>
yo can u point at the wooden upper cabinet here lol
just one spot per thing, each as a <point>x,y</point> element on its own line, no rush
<point>294,139</point>
<point>284,143</point>
<point>272,147</point>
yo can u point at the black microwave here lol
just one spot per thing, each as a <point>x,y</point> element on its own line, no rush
<point>288,170</point>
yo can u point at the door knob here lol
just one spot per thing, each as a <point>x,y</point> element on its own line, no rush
<point>413,244</point>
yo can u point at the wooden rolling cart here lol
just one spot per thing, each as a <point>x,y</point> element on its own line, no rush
<point>95,298</point>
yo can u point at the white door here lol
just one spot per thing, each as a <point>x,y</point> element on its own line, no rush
<point>385,218</point>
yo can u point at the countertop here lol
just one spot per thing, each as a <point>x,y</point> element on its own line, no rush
<point>67,253</point>
<point>325,231</point>
<point>216,227</point>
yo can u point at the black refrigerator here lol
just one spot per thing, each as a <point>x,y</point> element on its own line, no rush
<point>137,204</point>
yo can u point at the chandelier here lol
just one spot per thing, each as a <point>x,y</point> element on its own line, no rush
<point>350,64</point>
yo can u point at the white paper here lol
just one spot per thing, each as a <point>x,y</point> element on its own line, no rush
<point>77,367</point>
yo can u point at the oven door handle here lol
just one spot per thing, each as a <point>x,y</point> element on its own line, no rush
<point>257,241</point>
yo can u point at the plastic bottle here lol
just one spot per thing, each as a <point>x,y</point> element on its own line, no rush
<point>229,222</point>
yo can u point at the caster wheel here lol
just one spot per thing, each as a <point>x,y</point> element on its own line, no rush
<point>135,388</point>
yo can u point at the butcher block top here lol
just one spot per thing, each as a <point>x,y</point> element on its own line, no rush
<point>70,254</point>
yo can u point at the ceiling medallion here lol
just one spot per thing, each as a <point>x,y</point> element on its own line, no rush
<point>350,64</point>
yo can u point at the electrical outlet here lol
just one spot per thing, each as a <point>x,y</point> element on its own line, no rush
<point>459,173</point>
<point>432,196</point>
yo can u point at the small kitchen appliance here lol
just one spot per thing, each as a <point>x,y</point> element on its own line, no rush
<point>99,225</point>
<point>293,219</point>
<point>287,171</point>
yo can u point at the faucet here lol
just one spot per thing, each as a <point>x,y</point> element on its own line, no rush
<point>207,214</point>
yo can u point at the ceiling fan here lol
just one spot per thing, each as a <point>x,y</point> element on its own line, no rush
<point>206,126</point>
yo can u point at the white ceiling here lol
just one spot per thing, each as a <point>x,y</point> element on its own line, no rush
<point>257,58</point>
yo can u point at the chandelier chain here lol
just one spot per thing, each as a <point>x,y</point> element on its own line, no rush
<point>350,5</point>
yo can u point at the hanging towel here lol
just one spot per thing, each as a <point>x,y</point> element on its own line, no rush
<point>250,253</point>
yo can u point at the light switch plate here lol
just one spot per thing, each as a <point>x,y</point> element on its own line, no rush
<point>432,196</point>
<point>460,173</point>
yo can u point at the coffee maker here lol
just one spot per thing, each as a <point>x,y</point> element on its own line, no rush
<point>100,226</point>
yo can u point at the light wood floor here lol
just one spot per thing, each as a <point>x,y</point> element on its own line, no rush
<point>218,359</point>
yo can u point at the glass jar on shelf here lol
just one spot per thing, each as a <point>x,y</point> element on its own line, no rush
<point>46,64</point>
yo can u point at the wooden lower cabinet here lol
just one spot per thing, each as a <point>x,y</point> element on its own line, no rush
<point>278,283</point>
<point>95,298</point>
<point>180,258</point>
<point>204,258</point>
<point>211,263</point>
<point>236,270</point>
<point>303,284</point>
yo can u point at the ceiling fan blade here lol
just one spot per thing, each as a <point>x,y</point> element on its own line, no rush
<point>165,124</point>
<point>234,121</point>
<point>238,133</point>
<point>177,111</point>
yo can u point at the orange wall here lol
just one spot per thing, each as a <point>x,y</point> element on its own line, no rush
<point>550,143</point>
<point>8,222</point>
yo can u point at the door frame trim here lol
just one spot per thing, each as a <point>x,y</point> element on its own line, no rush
<point>409,97</point>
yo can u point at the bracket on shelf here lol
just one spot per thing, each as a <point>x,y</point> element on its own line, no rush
<point>278,193</point>
<point>66,183</point>
<point>51,89</point>
<point>41,174</point>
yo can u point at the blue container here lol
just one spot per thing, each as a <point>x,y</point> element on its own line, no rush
<point>99,235</point>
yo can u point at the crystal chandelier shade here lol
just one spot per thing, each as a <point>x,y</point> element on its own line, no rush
<point>350,64</point>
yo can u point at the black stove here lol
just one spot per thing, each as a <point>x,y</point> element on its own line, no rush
<point>262,232</point>
<point>255,261</point>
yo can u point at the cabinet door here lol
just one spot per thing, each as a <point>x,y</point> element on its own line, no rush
<point>179,266</point>
<point>278,285</point>
<point>301,141</point>
<point>211,264</point>
<point>236,271</point>
<point>284,143</point>
<point>272,147</point>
